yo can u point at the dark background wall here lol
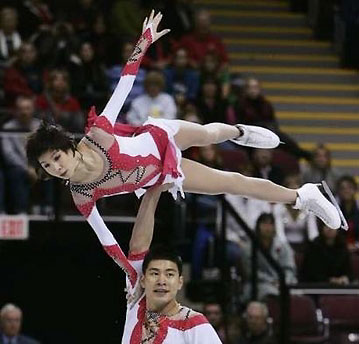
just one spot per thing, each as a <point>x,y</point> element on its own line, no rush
<point>69,289</point>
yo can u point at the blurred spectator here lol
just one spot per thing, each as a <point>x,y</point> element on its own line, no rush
<point>159,55</point>
<point>56,104</point>
<point>210,105</point>
<point>57,46</point>
<point>202,40</point>
<point>154,102</point>
<point>327,259</point>
<point>88,78</point>
<point>25,76</point>
<point>281,252</point>
<point>178,17</point>
<point>213,313</point>
<point>249,209</point>
<point>294,226</point>
<point>114,74</point>
<point>211,68</point>
<point>127,18</point>
<point>180,78</point>
<point>346,191</point>
<point>11,321</point>
<point>320,168</point>
<point>206,213</point>
<point>254,109</point>
<point>10,40</point>
<point>262,160</point>
<point>2,186</point>
<point>256,329</point>
<point>18,176</point>
<point>36,16</point>
<point>82,14</point>
<point>103,41</point>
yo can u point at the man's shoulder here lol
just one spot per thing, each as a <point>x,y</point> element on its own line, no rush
<point>22,339</point>
<point>192,318</point>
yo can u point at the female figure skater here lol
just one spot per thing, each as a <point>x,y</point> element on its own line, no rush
<point>114,158</point>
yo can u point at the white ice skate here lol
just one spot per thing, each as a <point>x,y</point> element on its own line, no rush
<point>256,137</point>
<point>312,200</point>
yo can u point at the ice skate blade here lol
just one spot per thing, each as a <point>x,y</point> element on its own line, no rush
<point>336,205</point>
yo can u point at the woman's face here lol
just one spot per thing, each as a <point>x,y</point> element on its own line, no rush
<point>58,163</point>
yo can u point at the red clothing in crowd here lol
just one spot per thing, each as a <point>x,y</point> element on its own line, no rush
<point>70,104</point>
<point>199,45</point>
<point>15,84</point>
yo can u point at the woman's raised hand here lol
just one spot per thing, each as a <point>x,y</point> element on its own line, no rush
<point>152,23</point>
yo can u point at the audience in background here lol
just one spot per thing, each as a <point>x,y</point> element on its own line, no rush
<point>320,168</point>
<point>211,68</point>
<point>202,40</point>
<point>213,312</point>
<point>255,109</point>
<point>346,190</point>
<point>262,160</point>
<point>327,259</point>
<point>180,78</point>
<point>57,104</point>
<point>178,16</point>
<point>281,252</point>
<point>10,326</point>
<point>10,39</point>
<point>294,226</point>
<point>114,74</point>
<point>25,76</point>
<point>211,107</point>
<point>36,16</point>
<point>18,175</point>
<point>154,102</point>
<point>88,78</point>
<point>256,327</point>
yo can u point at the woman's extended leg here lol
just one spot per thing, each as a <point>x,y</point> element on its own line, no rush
<point>193,134</point>
<point>206,180</point>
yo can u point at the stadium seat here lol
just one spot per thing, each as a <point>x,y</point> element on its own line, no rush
<point>305,325</point>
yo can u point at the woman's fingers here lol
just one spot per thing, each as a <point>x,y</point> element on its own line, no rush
<point>162,33</point>
<point>144,24</point>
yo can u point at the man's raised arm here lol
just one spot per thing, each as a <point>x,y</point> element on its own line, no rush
<point>142,232</point>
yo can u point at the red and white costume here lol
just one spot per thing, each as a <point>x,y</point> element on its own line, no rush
<point>185,327</point>
<point>133,157</point>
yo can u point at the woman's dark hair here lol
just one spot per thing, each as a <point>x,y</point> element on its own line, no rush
<point>162,253</point>
<point>47,137</point>
<point>264,217</point>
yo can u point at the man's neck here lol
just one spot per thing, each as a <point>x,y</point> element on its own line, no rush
<point>168,309</point>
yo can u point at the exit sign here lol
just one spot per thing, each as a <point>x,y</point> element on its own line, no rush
<point>14,227</point>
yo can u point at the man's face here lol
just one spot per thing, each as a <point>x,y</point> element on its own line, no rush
<point>213,313</point>
<point>25,109</point>
<point>161,282</point>
<point>11,323</point>
<point>28,54</point>
<point>181,59</point>
<point>256,320</point>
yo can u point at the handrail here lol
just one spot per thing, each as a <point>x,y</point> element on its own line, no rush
<point>284,322</point>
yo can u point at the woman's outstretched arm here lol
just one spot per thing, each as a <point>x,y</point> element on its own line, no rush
<point>124,86</point>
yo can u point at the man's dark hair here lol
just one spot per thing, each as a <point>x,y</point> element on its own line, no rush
<point>162,252</point>
<point>47,137</point>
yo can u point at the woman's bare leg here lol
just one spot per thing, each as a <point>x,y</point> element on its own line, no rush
<point>205,180</point>
<point>193,134</point>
